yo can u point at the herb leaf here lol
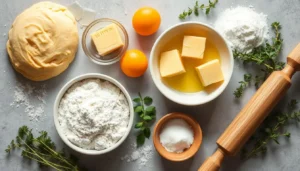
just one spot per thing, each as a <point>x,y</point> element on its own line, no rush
<point>138,109</point>
<point>137,100</point>
<point>139,125</point>
<point>147,132</point>
<point>243,84</point>
<point>145,117</point>
<point>42,150</point>
<point>195,9</point>
<point>140,139</point>
<point>148,100</point>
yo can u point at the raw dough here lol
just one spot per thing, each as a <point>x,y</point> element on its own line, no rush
<point>43,41</point>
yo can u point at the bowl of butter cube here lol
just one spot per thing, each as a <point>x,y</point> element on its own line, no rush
<point>191,63</point>
<point>105,41</point>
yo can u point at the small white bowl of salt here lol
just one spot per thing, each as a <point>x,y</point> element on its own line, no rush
<point>177,137</point>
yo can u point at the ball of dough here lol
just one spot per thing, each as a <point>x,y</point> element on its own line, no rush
<point>43,41</point>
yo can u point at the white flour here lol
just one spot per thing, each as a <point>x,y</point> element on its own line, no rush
<point>94,114</point>
<point>32,98</point>
<point>243,28</point>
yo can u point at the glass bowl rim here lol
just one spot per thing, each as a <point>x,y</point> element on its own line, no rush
<point>92,57</point>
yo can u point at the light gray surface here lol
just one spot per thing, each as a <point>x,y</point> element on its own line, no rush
<point>213,117</point>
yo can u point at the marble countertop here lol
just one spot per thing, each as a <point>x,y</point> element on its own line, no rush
<point>213,117</point>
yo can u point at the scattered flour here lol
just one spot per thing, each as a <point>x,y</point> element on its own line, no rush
<point>32,98</point>
<point>94,114</point>
<point>243,28</point>
<point>141,155</point>
<point>84,16</point>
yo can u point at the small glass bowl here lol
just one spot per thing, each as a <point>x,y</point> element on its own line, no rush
<point>90,49</point>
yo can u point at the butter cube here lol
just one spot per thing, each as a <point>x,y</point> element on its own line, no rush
<point>193,47</point>
<point>107,39</point>
<point>210,72</point>
<point>171,64</point>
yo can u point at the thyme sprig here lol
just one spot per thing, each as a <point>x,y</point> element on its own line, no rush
<point>243,84</point>
<point>195,9</point>
<point>271,130</point>
<point>264,57</point>
<point>146,114</point>
<point>42,150</point>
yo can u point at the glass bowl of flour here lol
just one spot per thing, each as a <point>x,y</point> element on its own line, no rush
<point>93,114</point>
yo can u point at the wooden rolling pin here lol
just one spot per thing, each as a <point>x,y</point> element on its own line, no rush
<point>253,114</point>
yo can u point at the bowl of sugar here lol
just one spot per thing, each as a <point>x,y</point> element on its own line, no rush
<point>191,63</point>
<point>93,114</point>
<point>177,137</point>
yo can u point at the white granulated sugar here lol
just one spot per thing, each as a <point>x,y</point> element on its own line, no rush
<point>141,155</point>
<point>32,98</point>
<point>94,114</point>
<point>243,28</point>
<point>176,136</point>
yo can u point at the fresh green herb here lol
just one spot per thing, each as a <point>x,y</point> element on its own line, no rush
<point>243,84</point>
<point>146,114</point>
<point>264,57</point>
<point>271,131</point>
<point>42,150</point>
<point>195,10</point>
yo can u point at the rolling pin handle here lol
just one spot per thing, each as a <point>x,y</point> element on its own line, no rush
<point>213,163</point>
<point>289,71</point>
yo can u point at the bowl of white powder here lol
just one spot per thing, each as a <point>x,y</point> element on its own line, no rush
<point>93,114</point>
<point>177,137</point>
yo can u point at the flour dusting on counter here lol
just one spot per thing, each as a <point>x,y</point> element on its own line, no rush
<point>141,155</point>
<point>32,98</point>
<point>94,114</point>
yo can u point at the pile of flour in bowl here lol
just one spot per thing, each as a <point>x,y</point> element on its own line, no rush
<point>243,28</point>
<point>94,114</point>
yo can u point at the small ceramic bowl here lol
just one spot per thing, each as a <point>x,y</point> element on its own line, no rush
<point>90,49</point>
<point>188,153</point>
<point>63,91</point>
<point>191,28</point>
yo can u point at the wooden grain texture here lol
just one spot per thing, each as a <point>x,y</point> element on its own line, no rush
<point>251,116</point>
<point>293,58</point>
<point>213,163</point>
<point>255,111</point>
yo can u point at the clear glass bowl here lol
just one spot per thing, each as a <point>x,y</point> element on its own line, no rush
<point>90,49</point>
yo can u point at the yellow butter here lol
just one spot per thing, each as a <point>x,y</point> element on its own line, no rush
<point>193,47</point>
<point>107,39</point>
<point>210,72</point>
<point>171,64</point>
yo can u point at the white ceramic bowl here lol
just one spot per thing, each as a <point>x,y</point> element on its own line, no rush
<point>62,92</point>
<point>191,28</point>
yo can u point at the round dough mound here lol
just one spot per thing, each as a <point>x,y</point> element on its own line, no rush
<point>43,41</point>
